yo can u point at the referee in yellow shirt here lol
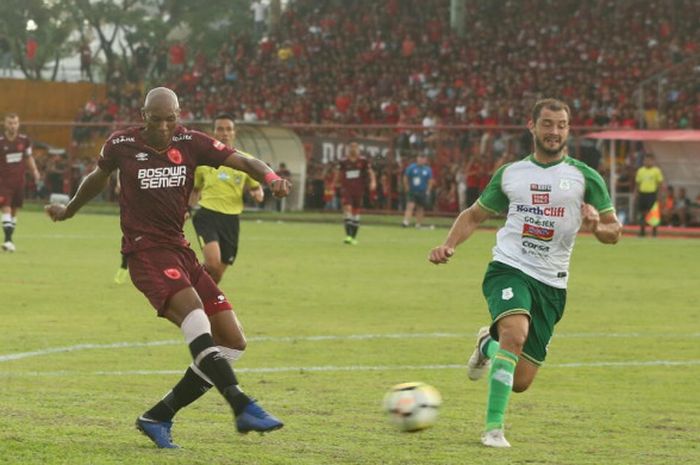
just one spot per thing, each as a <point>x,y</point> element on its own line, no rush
<point>219,192</point>
<point>648,181</point>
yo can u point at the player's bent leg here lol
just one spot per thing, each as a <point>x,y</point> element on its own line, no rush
<point>196,328</point>
<point>525,373</point>
<point>212,260</point>
<point>513,331</point>
<point>227,331</point>
<point>512,334</point>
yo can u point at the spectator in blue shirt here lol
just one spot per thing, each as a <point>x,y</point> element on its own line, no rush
<point>418,184</point>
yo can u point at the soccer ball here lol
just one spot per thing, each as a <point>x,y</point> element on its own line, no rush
<point>412,406</point>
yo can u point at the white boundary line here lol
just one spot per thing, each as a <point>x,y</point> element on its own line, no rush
<point>334,368</point>
<point>437,335</point>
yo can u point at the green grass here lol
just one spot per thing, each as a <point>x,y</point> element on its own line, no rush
<point>595,401</point>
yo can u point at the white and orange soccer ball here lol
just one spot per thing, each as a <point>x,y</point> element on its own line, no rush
<point>412,406</point>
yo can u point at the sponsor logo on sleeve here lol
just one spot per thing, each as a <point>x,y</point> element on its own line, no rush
<point>219,145</point>
<point>540,199</point>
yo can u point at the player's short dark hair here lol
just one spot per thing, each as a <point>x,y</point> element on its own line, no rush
<point>228,116</point>
<point>550,104</point>
<point>11,114</point>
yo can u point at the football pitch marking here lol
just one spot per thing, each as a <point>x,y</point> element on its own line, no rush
<point>335,368</point>
<point>436,335</point>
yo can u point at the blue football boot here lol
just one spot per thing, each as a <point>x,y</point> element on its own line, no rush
<point>157,431</point>
<point>254,418</point>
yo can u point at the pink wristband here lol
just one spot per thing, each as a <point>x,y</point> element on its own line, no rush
<point>271,176</point>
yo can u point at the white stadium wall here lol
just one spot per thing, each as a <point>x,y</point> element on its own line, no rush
<point>275,145</point>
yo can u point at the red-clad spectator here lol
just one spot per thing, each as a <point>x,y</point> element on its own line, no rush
<point>408,46</point>
<point>31,47</point>
<point>177,56</point>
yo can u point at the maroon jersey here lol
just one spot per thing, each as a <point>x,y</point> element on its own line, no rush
<point>155,186</point>
<point>13,159</point>
<point>354,175</point>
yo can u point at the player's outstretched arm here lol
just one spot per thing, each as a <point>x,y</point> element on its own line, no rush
<point>462,228</point>
<point>260,172</point>
<point>93,184</point>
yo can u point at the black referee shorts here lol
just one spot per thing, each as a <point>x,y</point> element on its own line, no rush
<point>218,227</point>
<point>646,201</point>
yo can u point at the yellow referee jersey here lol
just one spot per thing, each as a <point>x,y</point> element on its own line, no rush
<point>649,179</point>
<point>222,188</point>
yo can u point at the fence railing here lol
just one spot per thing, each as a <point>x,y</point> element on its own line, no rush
<point>463,157</point>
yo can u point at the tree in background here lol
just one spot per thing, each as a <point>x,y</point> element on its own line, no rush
<point>120,27</point>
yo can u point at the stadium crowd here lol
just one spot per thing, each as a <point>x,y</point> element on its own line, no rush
<point>398,63</point>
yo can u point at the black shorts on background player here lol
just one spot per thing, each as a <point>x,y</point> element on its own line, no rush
<point>214,226</point>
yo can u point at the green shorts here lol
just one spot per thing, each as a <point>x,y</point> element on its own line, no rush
<point>509,291</point>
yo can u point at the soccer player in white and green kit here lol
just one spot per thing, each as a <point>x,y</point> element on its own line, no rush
<point>547,197</point>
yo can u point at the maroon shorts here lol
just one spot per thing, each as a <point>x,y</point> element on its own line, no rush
<point>11,196</point>
<point>162,272</point>
<point>353,198</point>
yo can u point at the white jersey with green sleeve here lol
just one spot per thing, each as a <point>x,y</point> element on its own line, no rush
<point>543,205</point>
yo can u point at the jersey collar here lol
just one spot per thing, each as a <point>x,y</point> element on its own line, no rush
<point>531,158</point>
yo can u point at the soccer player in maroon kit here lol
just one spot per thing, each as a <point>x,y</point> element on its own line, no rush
<point>15,155</point>
<point>156,169</point>
<point>353,172</point>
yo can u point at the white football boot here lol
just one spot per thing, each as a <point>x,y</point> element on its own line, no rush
<point>478,363</point>
<point>8,247</point>
<point>494,438</point>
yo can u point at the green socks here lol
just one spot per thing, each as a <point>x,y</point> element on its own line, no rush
<point>489,348</point>
<point>500,383</point>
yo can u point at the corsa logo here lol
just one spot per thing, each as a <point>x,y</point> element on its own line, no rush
<point>175,156</point>
<point>172,273</point>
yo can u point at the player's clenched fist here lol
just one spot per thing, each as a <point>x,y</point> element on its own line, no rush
<point>56,212</point>
<point>280,187</point>
<point>590,217</point>
<point>441,254</point>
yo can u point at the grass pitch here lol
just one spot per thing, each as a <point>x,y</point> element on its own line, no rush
<point>331,328</point>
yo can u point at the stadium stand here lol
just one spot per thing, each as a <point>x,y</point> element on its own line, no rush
<point>396,62</point>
